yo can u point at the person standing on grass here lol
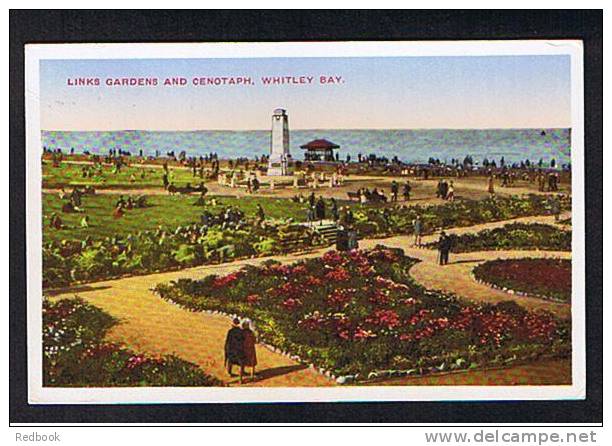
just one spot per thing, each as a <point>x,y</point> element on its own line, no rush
<point>334,210</point>
<point>250,355</point>
<point>394,190</point>
<point>234,348</point>
<point>261,215</point>
<point>310,215</point>
<point>407,190</point>
<point>450,192</point>
<point>320,209</point>
<point>417,225</point>
<point>439,189</point>
<point>556,207</point>
<point>491,185</point>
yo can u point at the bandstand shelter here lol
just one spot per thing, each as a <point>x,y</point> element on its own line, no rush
<point>320,150</point>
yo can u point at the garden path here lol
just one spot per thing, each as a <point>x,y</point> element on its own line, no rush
<point>155,326</point>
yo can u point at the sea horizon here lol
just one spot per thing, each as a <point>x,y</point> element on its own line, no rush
<point>409,145</point>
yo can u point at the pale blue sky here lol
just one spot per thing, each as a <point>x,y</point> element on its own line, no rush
<point>406,92</point>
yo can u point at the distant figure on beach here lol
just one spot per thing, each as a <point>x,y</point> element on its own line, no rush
<point>234,348</point>
<point>444,246</point>
<point>491,185</point>
<point>250,355</point>
<point>417,226</point>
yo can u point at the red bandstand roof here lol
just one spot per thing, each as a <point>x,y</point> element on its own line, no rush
<point>320,144</point>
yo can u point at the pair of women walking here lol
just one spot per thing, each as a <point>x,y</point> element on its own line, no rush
<point>240,348</point>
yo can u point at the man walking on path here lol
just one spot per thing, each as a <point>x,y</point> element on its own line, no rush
<point>234,348</point>
<point>444,247</point>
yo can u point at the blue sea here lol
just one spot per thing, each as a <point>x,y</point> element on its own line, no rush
<point>414,146</point>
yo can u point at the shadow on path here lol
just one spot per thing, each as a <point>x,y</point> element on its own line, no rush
<point>75,289</point>
<point>264,374</point>
<point>466,261</point>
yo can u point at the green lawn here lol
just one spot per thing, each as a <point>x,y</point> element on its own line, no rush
<point>71,175</point>
<point>165,210</point>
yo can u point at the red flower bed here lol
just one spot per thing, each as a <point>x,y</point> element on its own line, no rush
<point>547,278</point>
<point>361,311</point>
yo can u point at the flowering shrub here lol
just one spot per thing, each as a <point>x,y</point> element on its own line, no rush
<point>76,355</point>
<point>514,236</point>
<point>375,221</point>
<point>87,260</point>
<point>73,261</point>
<point>360,311</point>
<point>547,278</point>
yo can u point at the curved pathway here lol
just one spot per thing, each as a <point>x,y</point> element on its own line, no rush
<point>150,324</point>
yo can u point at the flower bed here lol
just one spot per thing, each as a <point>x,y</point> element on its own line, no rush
<point>75,353</point>
<point>376,222</point>
<point>355,314</point>
<point>513,236</point>
<point>545,278</point>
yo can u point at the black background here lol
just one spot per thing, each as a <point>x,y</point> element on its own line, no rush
<point>59,26</point>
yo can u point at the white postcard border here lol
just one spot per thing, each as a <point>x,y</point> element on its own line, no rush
<point>37,394</point>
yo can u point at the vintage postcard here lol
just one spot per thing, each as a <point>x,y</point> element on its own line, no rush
<point>348,221</point>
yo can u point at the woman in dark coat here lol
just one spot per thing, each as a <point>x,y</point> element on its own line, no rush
<point>250,357</point>
<point>234,348</point>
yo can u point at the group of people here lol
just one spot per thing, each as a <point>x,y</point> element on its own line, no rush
<point>445,190</point>
<point>406,190</point>
<point>71,203</point>
<point>240,348</point>
<point>445,241</point>
<point>551,179</point>
<point>229,218</point>
<point>123,204</point>
<point>317,209</point>
<point>375,195</point>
